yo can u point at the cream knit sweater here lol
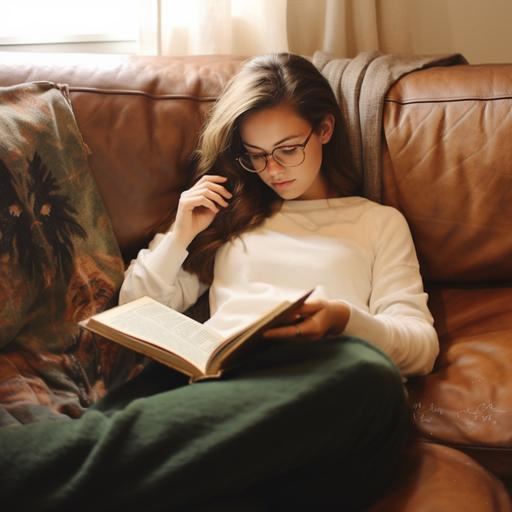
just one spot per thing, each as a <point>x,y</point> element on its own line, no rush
<point>350,249</point>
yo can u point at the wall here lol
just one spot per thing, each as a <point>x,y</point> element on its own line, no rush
<point>480,29</point>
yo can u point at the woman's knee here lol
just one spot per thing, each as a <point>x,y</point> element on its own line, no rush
<point>369,362</point>
<point>372,382</point>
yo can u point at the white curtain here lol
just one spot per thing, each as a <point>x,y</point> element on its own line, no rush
<point>186,27</point>
<point>341,27</point>
<point>246,27</point>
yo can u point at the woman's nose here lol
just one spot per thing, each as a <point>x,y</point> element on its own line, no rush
<point>273,167</point>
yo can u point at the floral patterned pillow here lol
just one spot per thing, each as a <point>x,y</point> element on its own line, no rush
<point>59,263</point>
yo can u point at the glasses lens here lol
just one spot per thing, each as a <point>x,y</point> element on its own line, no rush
<point>252,162</point>
<point>290,156</point>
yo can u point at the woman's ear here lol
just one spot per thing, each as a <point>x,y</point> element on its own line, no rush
<point>326,128</point>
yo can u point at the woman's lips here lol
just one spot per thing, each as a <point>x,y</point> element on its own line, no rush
<point>282,184</point>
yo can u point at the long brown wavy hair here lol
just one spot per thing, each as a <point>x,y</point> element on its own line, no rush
<point>262,82</point>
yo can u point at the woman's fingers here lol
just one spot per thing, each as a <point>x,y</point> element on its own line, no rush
<point>289,331</point>
<point>215,196</point>
<point>309,308</point>
<point>192,202</point>
<point>215,177</point>
<point>312,322</point>
<point>199,205</point>
<point>304,329</point>
<point>214,191</point>
<point>211,177</point>
<point>219,189</point>
<point>211,180</point>
<point>197,195</point>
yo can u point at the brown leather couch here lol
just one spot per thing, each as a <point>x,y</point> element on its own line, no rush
<point>447,166</point>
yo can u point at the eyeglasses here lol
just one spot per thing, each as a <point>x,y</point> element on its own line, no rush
<point>288,156</point>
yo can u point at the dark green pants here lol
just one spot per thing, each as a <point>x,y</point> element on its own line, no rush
<point>303,425</point>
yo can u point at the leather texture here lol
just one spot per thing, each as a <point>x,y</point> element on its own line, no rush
<point>140,117</point>
<point>447,167</point>
<point>436,478</point>
<point>446,156</point>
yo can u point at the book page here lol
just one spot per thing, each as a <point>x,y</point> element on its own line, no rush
<point>160,325</point>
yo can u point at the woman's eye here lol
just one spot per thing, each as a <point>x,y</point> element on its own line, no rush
<point>256,157</point>
<point>288,150</point>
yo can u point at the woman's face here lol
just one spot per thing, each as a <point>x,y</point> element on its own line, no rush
<point>264,130</point>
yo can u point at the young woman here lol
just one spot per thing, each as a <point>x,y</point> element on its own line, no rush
<point>271,214</point>
<point>269,217</point>
<point>319,418</point>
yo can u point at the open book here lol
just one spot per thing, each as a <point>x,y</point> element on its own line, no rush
<point>174,339</point>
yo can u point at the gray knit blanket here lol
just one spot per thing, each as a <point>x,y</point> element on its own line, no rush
<point>360,85</point>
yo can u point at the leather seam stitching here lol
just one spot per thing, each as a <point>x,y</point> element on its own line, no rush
<point>127,92</point>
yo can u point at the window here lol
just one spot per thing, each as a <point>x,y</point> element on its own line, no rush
<point>33,22</point>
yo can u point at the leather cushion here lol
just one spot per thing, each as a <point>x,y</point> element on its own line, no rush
<point>467,399</point>
<point>436,478</point>
<point>140,117</point>
<point>447,167</point>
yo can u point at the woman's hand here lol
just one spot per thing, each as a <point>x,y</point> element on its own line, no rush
<point>198,206</point>
<point>320,318</point>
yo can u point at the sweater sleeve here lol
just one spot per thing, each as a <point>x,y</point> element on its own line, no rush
<point>157,272</point>
<point>398,320</point>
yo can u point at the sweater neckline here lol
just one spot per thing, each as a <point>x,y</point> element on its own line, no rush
<point>303,205</point>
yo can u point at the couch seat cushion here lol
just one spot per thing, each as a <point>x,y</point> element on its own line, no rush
<point>467,399</point>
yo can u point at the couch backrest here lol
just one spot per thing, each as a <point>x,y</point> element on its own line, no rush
<point>140,117</point>
<point>448,168</point>
<point>447,152</point>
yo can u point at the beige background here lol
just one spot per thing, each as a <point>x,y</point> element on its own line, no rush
<point>480,29</point>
